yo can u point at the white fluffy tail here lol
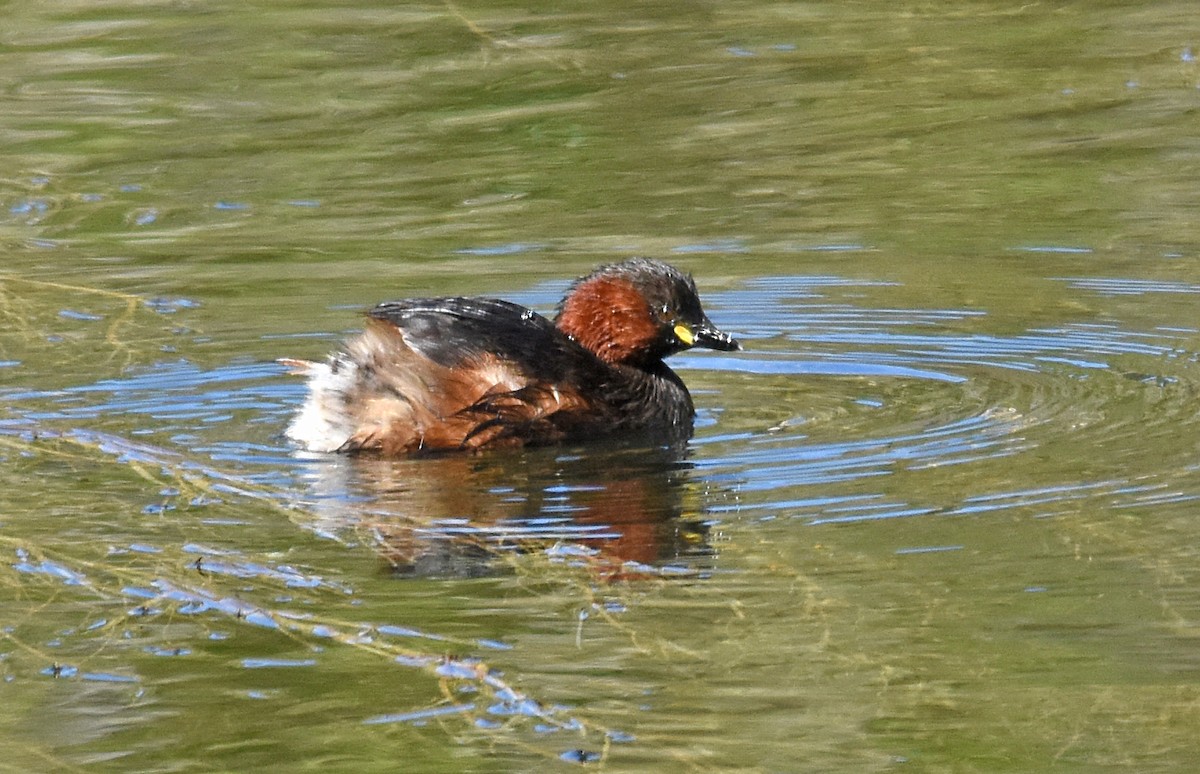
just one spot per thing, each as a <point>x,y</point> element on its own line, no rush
<point>323,423</point>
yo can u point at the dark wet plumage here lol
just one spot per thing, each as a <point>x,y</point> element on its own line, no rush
<point>440,374</point>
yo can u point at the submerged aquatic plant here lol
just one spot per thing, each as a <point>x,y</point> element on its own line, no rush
<point>178,583</point>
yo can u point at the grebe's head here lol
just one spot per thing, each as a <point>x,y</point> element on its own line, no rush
<point>638,311</point>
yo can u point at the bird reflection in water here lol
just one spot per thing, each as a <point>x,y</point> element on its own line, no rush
<point>618,509</point>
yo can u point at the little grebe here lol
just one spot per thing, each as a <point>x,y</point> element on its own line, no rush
<point>440,374</point>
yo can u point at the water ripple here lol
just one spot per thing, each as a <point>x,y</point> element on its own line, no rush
<point>893,395</point>
<point>838,411</point>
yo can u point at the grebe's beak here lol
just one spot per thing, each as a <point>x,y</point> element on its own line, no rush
<point>709,336</point>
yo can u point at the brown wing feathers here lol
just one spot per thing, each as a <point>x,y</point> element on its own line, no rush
<point>458,373</point>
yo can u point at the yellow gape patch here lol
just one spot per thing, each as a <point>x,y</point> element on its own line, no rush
<point>684,334</point>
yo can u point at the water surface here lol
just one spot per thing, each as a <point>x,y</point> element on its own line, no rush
<point>938,515</point>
